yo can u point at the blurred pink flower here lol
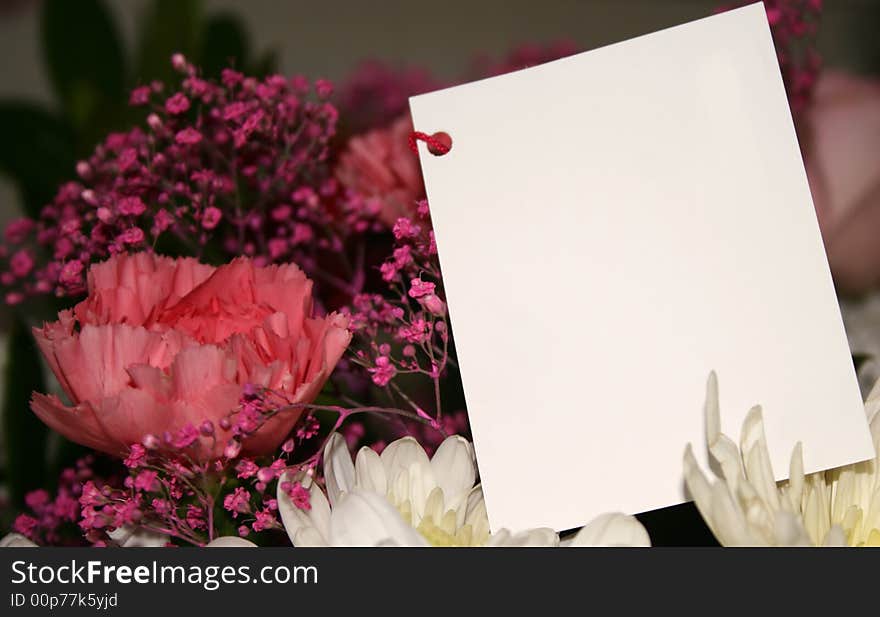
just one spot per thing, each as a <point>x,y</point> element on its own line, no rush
<point>163,344</point>
<point>380,165</point>
<point>841,131</point>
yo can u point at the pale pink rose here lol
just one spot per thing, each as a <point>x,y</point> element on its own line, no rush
<point>380,165</point>
<point>842,155</point>
<point>163,343</point>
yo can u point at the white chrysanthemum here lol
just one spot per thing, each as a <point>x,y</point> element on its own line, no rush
<point>404,498</point>
<point>746,507</point>
<point>16,540</point>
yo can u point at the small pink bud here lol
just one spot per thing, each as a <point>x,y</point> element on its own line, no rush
<point>265,475</point>
<point>88,196</point>
<point>178,61</point>
<point>233,449</point>
<point>104,214</point>
<point>287,446</point>
<point>207,428</point>
<point>151,442</point>
<point>433,304</point>
<point>83,169</point>
<point>225,424</point>
<point>154,122</point>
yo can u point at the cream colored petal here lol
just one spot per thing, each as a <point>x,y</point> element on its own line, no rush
<point>338,468</point>
<point>363,518</point>
<point>308,537</point>
<point>410,476</point>
<point>835,537</point>
<point>728,519</point>
<point>475,513</point>
<point>789,530</point>
<point>133,537</point>
<point>756,458</point>
<point>435,506</point>
<point>612,529</point>
<point>402,454</point>
<point>722,449</point>
<point>531,537</point>
<point>230,542</point>
<point>699,489</point>
<point>15,540</point>
<point>369,471</point>
<point>293,518</point>
<point>454,468</point>
<point>794,494</point>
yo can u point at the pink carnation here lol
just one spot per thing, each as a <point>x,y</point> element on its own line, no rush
<point>161,345</point>
<point>380,165</point>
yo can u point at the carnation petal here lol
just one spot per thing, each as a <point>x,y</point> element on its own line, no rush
<point>78,423</point>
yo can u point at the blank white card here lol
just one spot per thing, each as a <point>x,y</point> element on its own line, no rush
<point>612,227</point>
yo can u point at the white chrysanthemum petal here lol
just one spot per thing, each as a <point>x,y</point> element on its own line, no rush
<point>295,519</point>
<point>756,458</point>
<point>308,537</point>
<point>789,530</point>
<point>399,456</point>
<point>835,537</point>
<point>363,518</point>
<point>134,537</point>
<point>794,493</point>
<point>612,529</point>
<point>533,537</point>
<point>825,508</point>
<point>230,542</point>
<point>435,506</point>
<point>729,519</point>
<point>15,540</point>
<point>369,471</point>
<point>338,468</point>
<point>454,469</point>
<point>699,488</point>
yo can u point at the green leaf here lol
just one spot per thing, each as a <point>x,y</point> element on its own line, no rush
<point>224,44</point>
<point>40,152</point>
<point>170,26</point>
<point>24,434</point>
<point>84,57</point>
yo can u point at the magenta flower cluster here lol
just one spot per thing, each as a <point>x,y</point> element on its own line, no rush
<point>239,167</point>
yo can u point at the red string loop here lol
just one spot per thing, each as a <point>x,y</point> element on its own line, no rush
<point>438,143</point>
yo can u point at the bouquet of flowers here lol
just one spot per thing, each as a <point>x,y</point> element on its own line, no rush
<point>251,293</point>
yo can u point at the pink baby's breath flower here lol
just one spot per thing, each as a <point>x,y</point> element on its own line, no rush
<point>131,206</point>
<point>21,263</point>
<point>383,372</point>
<point>298,494</point>
<point>140,96</point>
<point>188,136</point>
<point>177,104</point>
<point>419,288</point>
<point>211,217</point>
